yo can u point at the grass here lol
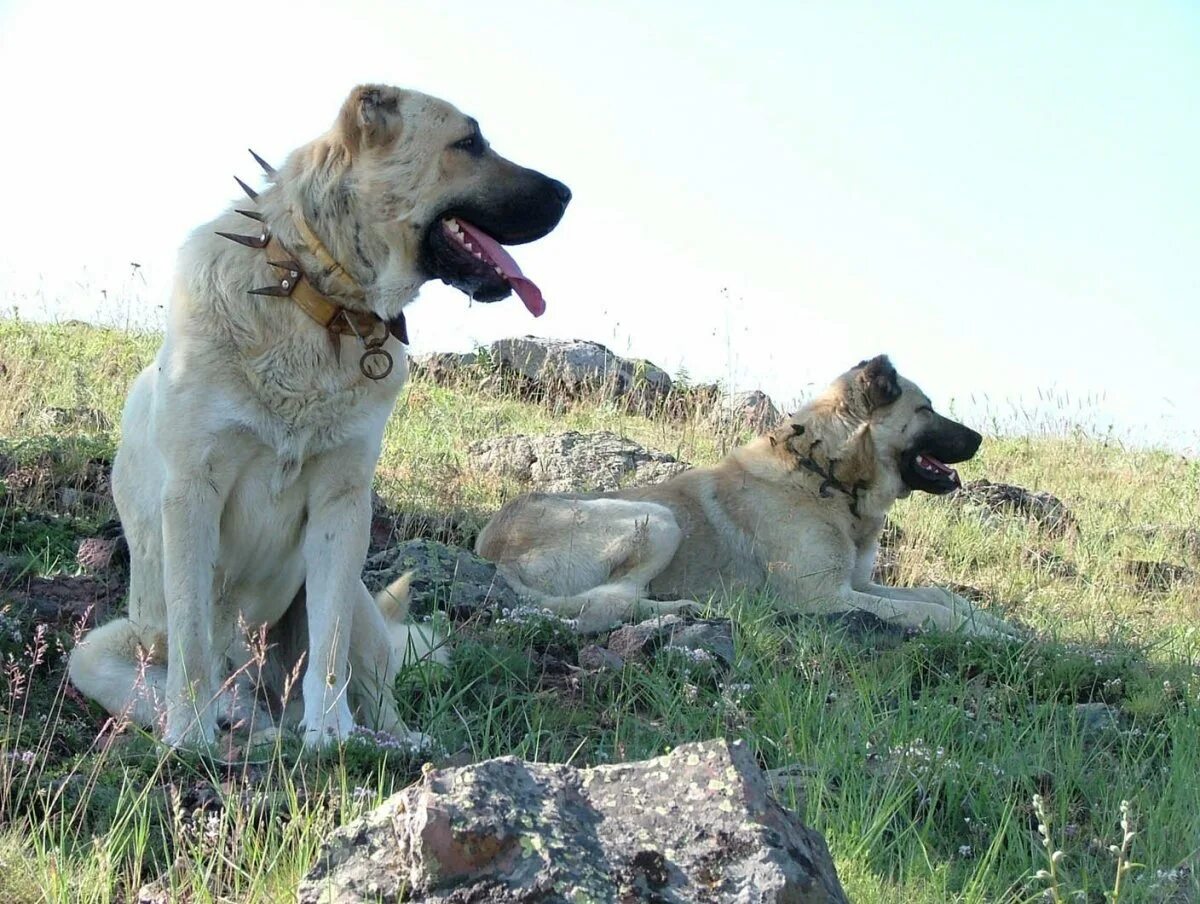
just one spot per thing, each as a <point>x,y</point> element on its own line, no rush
<point>924,755</point>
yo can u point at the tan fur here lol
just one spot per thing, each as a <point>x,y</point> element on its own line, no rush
<point>757,521</point>
<point>248,446</point>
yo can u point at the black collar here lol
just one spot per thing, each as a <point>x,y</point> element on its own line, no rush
<point>829,480</point>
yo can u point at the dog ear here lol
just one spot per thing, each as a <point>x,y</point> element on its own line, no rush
<point>369,116</point>
<point>878,381</point>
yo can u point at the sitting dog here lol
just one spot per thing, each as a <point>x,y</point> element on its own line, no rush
<point>243,478</point>
<point>797,512</point>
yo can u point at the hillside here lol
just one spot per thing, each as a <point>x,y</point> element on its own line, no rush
<point>922,755</point>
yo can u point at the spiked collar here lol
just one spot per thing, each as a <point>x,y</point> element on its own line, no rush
<point>292,283</point>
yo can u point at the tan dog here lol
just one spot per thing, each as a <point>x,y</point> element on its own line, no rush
<point>248,447</point>
<point>797,512</point>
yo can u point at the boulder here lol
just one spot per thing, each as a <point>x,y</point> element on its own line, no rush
<point>444,577</point>
<point>1157,577</point>
<point>698,824</point>
<point>711,636</point>
<point>572,462</point>
<point>558,369</point>
<point>751,410</point>
<point>577,367</point>
<point>990,500</point>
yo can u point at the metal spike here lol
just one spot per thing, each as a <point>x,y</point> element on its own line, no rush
<point>252,214</point>
<point>292,267</point>
<point>250,193</point>
<point>250,241</point>
<point>267,168</point>
<point>278,291</point>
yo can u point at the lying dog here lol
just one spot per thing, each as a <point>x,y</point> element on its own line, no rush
<point>797,512</point>
<point>243,478</point>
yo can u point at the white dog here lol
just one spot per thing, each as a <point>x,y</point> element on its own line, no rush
<point>248,447</point>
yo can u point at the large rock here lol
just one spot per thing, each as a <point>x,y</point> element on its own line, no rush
<point>698,824</point>
<point>752,410</point>
<point>572,462</point>
<point>577,367</point>
<point>563,370</point>
<point>444,577</point>
<point>990,500</point>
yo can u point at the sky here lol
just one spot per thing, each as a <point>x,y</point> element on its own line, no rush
<point>1005,198</point>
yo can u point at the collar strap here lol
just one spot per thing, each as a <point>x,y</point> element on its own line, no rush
<point>371,330</point>
<point>829,480</point>
<point>331,266</point>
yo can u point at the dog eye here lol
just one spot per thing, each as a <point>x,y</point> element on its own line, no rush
<point>472,144</point>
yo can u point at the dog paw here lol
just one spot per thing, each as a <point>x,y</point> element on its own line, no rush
<point>678,607</point>
<point>190,734</point>
<point>328,726</point>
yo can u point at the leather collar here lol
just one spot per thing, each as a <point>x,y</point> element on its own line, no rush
<point>371,330</point>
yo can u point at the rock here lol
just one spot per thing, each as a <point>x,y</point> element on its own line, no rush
<point>1044,560</point>
<point>572,462</point>
<point>72,500</point>
<point>990,499</point>
<point>562,370</point>
<point>71,601</point>
<point>596,658</point>
<point>789,784</point>
<point>446,577</point>
<point>95,554</point>
<point>108,549</point>
<point>577,367</point>
<point>968,592</point>
<point>444,367</point>
<point>12,568</point>
<point>1157,577</point>
<point>1097,719</point>
<point>712,636</point>
<point>752,410</point>
<point>698,824</point>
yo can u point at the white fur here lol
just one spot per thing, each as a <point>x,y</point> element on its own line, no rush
<point>243,478</point>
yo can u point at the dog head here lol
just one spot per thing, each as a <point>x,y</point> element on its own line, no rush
<point>404,188</point>
<point>877,426</point>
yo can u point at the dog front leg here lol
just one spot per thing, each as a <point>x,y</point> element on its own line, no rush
<point>914,612</point>
<point>191,517</point>
<point>335,547</point>
<point>942,597</point>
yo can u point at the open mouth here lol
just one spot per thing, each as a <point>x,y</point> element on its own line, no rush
<point>463,255</point>
<point>921,470</point>
<point>927,464</point>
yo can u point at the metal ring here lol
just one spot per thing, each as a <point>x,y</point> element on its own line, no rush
<point>375,353</point>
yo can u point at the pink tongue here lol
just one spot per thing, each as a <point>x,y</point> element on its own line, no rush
<point>524,287</point>
<point>946,469</point>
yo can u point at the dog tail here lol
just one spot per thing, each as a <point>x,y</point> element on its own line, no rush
<point>394,599</point>
<point>415,642</point>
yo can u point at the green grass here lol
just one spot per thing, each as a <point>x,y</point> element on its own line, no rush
<point>925,753</point>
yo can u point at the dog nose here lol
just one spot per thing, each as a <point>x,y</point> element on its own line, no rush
<point>560,189</point>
